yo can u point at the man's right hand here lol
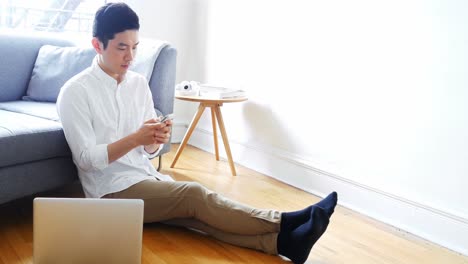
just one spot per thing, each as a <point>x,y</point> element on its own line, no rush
<point>147,134</point>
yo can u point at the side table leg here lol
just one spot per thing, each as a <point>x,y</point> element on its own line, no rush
<point>193,124</point>
<point>225,138</point>
<point>215,133</point>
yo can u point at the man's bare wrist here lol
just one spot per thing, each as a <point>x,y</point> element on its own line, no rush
<point>133,138</point>
<point>151,149</point>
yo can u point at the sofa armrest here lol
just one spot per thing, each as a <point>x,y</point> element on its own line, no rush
<point>162,83</point>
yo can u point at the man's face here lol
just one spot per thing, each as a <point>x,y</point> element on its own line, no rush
<point>119,53</point>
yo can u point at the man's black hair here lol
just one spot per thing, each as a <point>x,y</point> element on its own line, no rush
<point>114,18</point>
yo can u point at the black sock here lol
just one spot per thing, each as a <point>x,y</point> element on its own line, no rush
<point>291,220</point>
<point>296,244</point>
<point>328,203</point>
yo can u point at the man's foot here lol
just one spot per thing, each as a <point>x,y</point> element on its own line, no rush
<point>291,220</point>
<point>296,244</point>
<point>328,203</point>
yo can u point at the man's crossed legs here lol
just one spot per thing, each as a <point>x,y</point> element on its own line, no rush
<point>191,205</point>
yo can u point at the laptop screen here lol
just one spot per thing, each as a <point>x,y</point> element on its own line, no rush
<point>84,230</point>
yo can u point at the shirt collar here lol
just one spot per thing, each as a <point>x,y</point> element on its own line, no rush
<point>103,76</point>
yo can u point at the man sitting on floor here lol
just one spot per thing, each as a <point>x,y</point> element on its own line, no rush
<point>110,124</point>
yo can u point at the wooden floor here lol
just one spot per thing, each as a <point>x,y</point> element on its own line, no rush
<point>350,238</point>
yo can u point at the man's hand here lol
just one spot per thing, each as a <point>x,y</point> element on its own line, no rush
<point>146,134</point>
<point>163,133</point>
<point>150,135</point>
<point>154,132</point>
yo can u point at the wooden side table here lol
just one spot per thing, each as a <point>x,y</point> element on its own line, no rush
<point>215,105</point>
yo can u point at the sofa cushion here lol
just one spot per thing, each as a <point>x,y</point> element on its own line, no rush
<point>40,109</point>
<point>30,178</point>
<point>53,67</point>
<point>15,70</point>
<point>29,138</point>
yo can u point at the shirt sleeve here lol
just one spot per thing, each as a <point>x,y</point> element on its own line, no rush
<point>153,155</point>
<point>76,118</point>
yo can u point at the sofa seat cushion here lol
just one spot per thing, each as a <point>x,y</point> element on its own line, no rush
<point>39,109</point>
<point>25,138</point>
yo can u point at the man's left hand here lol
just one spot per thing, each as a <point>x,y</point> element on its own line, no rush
<point>163,133</point>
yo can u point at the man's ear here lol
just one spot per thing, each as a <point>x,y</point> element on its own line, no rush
<point>98,46</point>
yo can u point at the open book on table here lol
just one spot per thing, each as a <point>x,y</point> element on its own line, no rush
<point>217,92</point>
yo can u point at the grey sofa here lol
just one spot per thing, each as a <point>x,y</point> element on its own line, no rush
<point>34,155</point>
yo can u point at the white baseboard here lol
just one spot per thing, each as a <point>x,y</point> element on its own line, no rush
<point>439,227</point>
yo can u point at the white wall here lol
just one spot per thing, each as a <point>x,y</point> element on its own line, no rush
<point>371,93</point>
<point>374,91</point>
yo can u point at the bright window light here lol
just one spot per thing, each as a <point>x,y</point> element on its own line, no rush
<point>49,15</point>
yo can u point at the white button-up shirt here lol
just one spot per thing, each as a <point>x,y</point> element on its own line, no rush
<point>96,111</point>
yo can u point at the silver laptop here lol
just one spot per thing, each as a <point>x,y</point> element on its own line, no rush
<point>84,230</point>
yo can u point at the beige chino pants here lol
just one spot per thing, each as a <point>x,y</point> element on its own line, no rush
<point>191,205</point>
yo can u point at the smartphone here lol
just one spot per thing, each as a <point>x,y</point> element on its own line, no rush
<point>167,117</point>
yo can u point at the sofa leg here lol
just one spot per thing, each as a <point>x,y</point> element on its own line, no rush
<point>160,162</point>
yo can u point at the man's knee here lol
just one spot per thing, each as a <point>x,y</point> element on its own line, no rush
<point>195,189</point>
